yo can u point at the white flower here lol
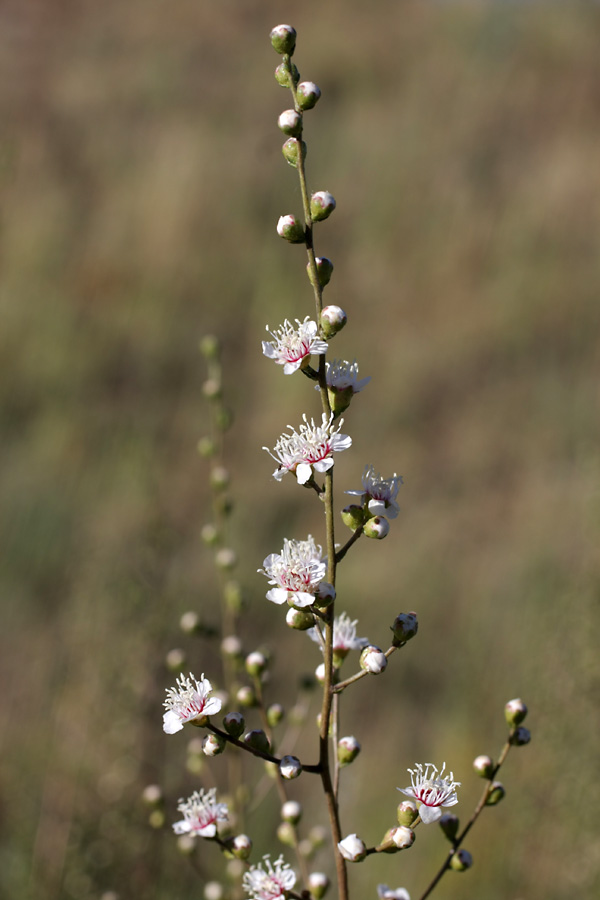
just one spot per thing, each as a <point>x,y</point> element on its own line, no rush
<point>381,493</point>
<point>311,446</point>
<point>270,883</point>
<point>341,375</point>
<point>201,814</point>
<point>386,893</point>
<point>190,701</point>
<point>352,848</point>
<point>432,790</point>
<point>297,571</point>
<point>291,346</point>
<point>344,635</point>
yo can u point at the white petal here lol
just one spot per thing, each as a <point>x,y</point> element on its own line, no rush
<point>208,831</point>
<point>430,814</point>
<point>408,791</point>
<point>182,827</point>
<point>277,595</point>
<point>212,706</point>
<point>324,464</point>
<point>279,473</point>
<point>341,442</point>
<point>304,471</point>
<point>269,349</point>
<point>171,722</point>
<point>291,367</point>
<point>377,507</point>
<point>301,599</point>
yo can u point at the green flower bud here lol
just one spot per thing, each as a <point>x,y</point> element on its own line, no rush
<point>209,346</point>
<point>257,740</point>
<point>290,122</point>
<point>340,399</point>
<point>256,663</point>
<point>286,834</point>
<point>407,813</point>
<point>275,713</point>
<point>318,884</point>
<point>461,861</point>
<point>405,627</point>
<point>377,528</point>
<point>291,811</point>
<point>308,94</point>
<point>240,846</point>
<point>246,696</point>
<point>219,478</point>
<point>210,535</point>
<point>156,819</point>
<point>234,724</point>
<point>233,596</point>
<point>294,150</point>
<point>283,39</point>
<point>348,749</point>
<point>207,447</point>
<point>282,75</point>
<point>484,766</point>
<point>515,712</point>
<point>496,794</point>
<point>353,516</point>
<point>290,230</point>
<point>387,845</point>
<point>213,745</point>
<point>449,825</point>
<point>322,204</point>
<point>224,418</point>
<point>317,836</point>
<point>175,660</point>
<point>520,737</point>
<point>333,319</point>
<point>300,619</point>
<point>324,270</point>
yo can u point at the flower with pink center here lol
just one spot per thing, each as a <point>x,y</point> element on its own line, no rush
<point>312,446</point>
<point>433,791</point>
<point>190,701</point>
<point>344,636</point>
<point>271,882</point>
<point>379,492</point>
<point>201,814</point>
<point>342,375</point>
<point>291,347</point>
<point>297,572</point>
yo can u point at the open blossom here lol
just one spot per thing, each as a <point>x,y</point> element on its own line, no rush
<point>381,493</point>
<point>291,346</point>
<point>341,375</point>
<point>201,814</point>
<point>190,701</point>
<point>297,572</point>
<point>344,635</point>
<point>311,446</point>
<point>432,790</point>
<point>270,882</point>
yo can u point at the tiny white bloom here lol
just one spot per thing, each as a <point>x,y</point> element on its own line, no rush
<point>341,375</point>
<point>291,346</point>
<point>344,635</point>
<point>386,893</point>
<point>190,701</point>
<point>201,814</point>
<point>381,493</point>
<point>271,882</point>
<point>312,446</point>
<point>432,790</point>
<point>352,848</point>
<point>297,572</point>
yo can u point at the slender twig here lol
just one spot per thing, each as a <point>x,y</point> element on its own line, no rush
<point>352,540</point>
<point>313,768</point>
<point>338,688</point>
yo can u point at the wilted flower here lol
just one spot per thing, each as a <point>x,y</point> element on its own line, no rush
<point>432,790</point>
<point>381,493</point>
<point>201,814</point>
<point>312,445</point>
<point>270,883</point>
<point>291,346</point>
<point>190,701</point>
<point>297,571</point>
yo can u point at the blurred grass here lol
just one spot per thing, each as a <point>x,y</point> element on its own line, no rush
<point>142,180</point>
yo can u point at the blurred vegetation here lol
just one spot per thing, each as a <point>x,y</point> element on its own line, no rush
<point>142,181</point>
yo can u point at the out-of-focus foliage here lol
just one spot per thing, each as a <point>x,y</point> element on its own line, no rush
<point>142,180</point>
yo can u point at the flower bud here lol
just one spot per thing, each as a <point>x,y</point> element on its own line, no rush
<point>352,848</point>
<point>286,834</point>
<point>246,696</point>
<point>206,447</point>
<point>348,749</point>
<point>213,890</point>
<point>240,846</point>
<point>152,795</point>
<point>317,836</point>
<point>333,319</point>
<point>324,270</point>
<point>449,824</point>
<point>219,478</point>
<point>300,619</point>
<point>291,230</point>
<point>407,813</point>
<point>308,94</point>
<point>256,663</point>
<point>275,714</point>
<point>290,767</point>
<point>282,74</point>
<point>175,660</point>
<point>283,39</point>
<point>226,559</point>
<point>373,660</point>
<point>211,388</point>
<point>209,346</point>
<point>325,595</point>
<point>210,534</point>
<point>514,712</point>
<point>353,516</point>
<point>403,837</point>
<point>377,528</point>
<point>461,861</point>
<point>223,418</point>
<point>231,646</point>
<point>520,737</point>
<point>320,673</point>
<point>294,150</point>
<point>290,122</point>
<point>291,811</point>
<point>234,724</point>
<point>318,884</point>
<point>322,204</point>
<point>405,626</point>
<point>497,792</point>
<point>484,766</point>
<point>257,740</point>
<point>213,745</point>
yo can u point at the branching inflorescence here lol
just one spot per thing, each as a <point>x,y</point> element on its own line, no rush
<point>302,576</point>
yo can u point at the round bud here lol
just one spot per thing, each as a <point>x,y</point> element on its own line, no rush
<point>152,795</point>
<point>156,819</point>
<point>317,836</point>
<point>324,270</point>
<point>234,724</point>
<point>286,834</point>
<point>211,388</point>
<point>209,346</point>
<point>275,713</point>
<point>333,319</point>
<point>256,663</point>
<point>353,516</point>
<point>300,619</point>
<point>283,39</point>
<point>405,626</point>
<point>219,478</point>
<point>246,696</point>
<point>352,848</point>
<point>515,712</point>
<point>461,861</point>
<point>407,813</point>
<point>290,230</point>
<point>496,793</point>
<point>520,737</point>
<point>373,660</point>
<point>291,811</point>
<point>322,204</point>
<point>282,74</point>
<point>403,837</point>
<point>175,660</point>
<point>484,766</point>
<point>348,749</point>
<point>257,740</point>
<point>213,890</point>
<point>240,846</point>
<point>290,767</point>
<point>377,528</point>
<point>387,844</point>
<point>290,122</point>
<point>320,673</point>
<point>213,745</point>
<point>206,447</point>
<point>190,623</point>
<point>318,883</point>
<point>209,534</point>
<point>231,646</point>
<point>449,824</point>
<point>294,150</point>
<point>308,94</point>
<point>226,559</point>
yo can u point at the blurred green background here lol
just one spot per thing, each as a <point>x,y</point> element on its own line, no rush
<point>142,181</point>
